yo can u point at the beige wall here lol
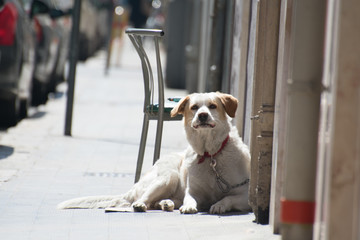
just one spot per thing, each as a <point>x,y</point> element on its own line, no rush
<point>338,182</point>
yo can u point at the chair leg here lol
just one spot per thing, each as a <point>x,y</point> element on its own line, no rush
<point>142,148</point>
<point>159,130</point>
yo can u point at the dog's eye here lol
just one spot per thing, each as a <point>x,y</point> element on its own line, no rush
<point>212,106</point>
<point>194,107</point>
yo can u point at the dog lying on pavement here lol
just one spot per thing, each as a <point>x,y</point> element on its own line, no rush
<point>211,175</point>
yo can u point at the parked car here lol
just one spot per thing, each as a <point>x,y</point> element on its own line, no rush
<point>64,28</point>
<point>60,11</point>
<point>17,58</point>
<point>52,26</point>
<point>95,26</point>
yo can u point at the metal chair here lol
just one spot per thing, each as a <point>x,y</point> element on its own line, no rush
<point>152,111</point>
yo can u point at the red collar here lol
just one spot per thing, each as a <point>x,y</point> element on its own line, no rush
<point>206,154</point>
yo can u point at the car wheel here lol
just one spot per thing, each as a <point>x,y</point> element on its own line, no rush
<point>51,88</point>
<point>23,110</point>
<point>9,111</point>
<point>39,93</point>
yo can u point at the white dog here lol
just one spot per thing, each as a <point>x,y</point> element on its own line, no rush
<point>212,175</point>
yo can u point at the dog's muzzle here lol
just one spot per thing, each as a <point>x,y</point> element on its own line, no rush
<point>203,117</point>
<point>203,121</point>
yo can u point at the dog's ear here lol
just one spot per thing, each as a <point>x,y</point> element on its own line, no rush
<point>180,107</point>
<point>229,102</point>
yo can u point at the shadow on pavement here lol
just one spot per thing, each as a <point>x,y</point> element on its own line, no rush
<point>56,95</point>
<point>227,214</point>
<point>37,114</point>
<point>5,151</point>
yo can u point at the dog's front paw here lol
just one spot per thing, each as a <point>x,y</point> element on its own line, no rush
<point>139,207</point>
<point>217,208</point>
<point>167,205</point>
<point>188,209</point>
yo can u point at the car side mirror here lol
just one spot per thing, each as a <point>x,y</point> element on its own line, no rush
<point>38,7</point>
<point>56,13</point>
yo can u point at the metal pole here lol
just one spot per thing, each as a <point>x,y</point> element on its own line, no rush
<point>72,70</point>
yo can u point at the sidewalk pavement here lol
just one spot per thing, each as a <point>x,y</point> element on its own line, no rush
<point>40,167</point>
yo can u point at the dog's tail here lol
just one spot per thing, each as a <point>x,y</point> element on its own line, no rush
<point>95,202</point>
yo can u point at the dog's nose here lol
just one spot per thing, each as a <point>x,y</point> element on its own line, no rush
<point>203,117</point>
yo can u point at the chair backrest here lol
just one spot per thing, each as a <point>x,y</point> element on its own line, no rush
<point>136,36</point>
